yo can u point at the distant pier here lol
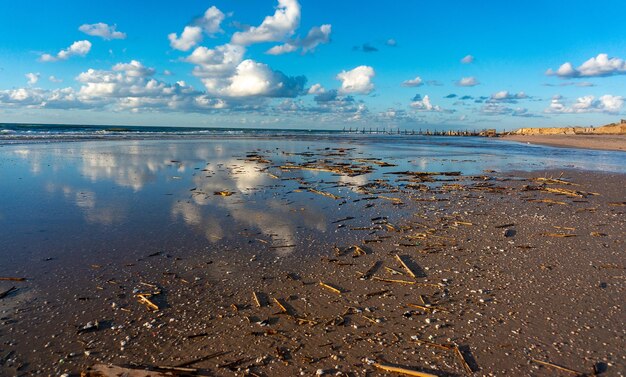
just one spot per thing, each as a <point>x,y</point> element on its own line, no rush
<point>422,132</point>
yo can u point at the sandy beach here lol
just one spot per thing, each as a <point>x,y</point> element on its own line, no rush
<point>602,142</point>
<point>325,272</point>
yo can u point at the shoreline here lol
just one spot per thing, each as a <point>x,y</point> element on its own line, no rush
<point>596,142</point>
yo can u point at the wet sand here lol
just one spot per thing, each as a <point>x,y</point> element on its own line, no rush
<point>489,274</point>
<point>602,142</point>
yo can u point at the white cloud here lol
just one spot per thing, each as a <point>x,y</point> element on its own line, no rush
<point>588,104</point>
<point>505,96</point>
<point>102,30</point>
<point>468,81</point>
<point>282,49</point>
<point>54,79</point>
<point>274,28</point>
<point>211,20</point>
<point>316,89</point>
<point>78,48</point>
<point>598,66</point>
<point>316,36</point>
<point>217,63</point>
<point>134,69</point>
<point>357,80</point>
<point>494,109</point>
<point>224,72</point>
<point>191,36</point>
<point>391,42</point>
<point>209,23</point>
<point>425,105</point>
<point>252,78</point>
<point>467,59</point>
<point>417,81</point>
<point>32,78</point>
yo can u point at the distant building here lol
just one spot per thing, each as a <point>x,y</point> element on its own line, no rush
<point>622,121</point>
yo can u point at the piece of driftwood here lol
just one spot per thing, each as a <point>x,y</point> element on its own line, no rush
<point>402,370</point>
<point>104,370</point>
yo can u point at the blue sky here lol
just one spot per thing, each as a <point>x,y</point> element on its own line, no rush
<point>313,63</point>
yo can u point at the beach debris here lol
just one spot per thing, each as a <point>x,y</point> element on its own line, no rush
<point>559,235</point>
<point>557,367</point>
<point>331,287</point>
<point>427,308</point>
<point>509,233</point>
<point>7,292</point>
<point>370,271</point>
<point>461,358</point>
<point>144,299</point>
<point>598,234</point>
<point>259,300</point>
<point>406,266</point>
<point>104,370</point>
<point>505,226</point>
<point>466,223</point>
<point>343,219</point>
<point>394,281</point>
<point>357,251</point>
<point>553,181</point>
<point>90,326</point>
<point>223,193</point>
<point>377,293</point>
<point>282,308</point>
<point>402,370</point>
<point>562,191</point>
<point>12,279</point>
<point>323,193</point>
<point>393,271</point>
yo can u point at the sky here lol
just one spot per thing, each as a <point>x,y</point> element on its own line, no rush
<point>314,64</point>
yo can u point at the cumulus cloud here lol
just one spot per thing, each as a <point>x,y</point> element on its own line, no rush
<point>102,30</point>
<point>126,87</point>
<point>607,103</point>
<point>467,81</point>
<point>78,48</point>
<point>424,104</point>
<point>209,23</point>
<point>190,37</point>
<point>274,28</point>
<point>224,72</point>
<point>252,78</point>
<point>417,81</point>
<point>505,96</point>
<point>467,59</point>
<point>599,66</point>
<point>134,69</point>
<point>316,36</point>
<point>357,80</point>
<point>495,109</point>
<point>32,78</point>
<point>54,79</point>
<point>316,89</point>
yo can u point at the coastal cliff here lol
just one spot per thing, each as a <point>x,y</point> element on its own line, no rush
<point>609,129</point>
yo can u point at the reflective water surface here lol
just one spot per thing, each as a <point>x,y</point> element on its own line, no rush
<point>97,199</point>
